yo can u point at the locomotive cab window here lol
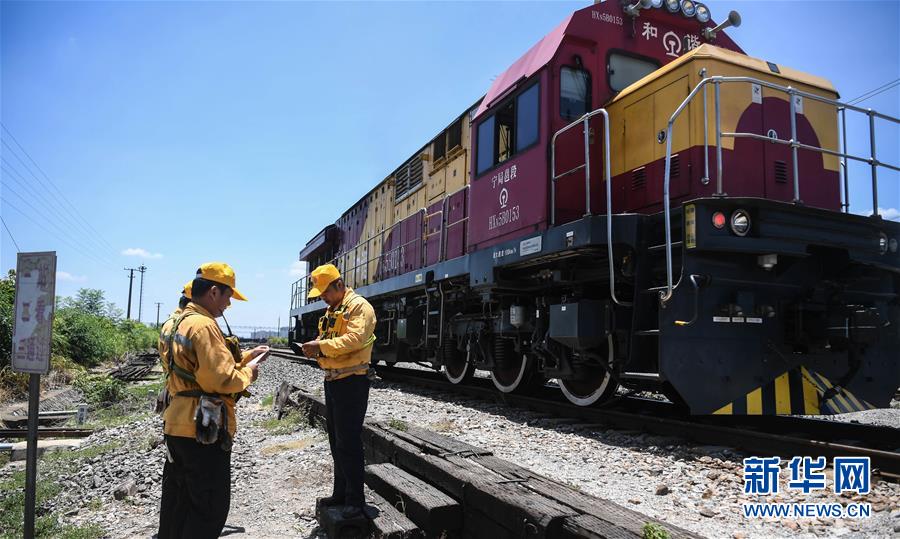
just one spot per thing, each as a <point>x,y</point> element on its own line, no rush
<point>574,92</point>
<point>527,118</point>
<point>513,128</point>
<point>624,69</point>
<point>486,144</point>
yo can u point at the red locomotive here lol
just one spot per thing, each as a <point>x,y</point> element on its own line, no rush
<point>634,202</point>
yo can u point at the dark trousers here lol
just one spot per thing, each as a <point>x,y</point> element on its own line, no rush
<point>196,490</point>
<point>345,409</point>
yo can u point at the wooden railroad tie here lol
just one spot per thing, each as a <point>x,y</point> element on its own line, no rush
<point>446,487</point>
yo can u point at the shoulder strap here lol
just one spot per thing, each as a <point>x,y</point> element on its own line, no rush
<point>170,353</point>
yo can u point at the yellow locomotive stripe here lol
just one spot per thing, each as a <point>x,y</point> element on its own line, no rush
<point>754,402</point>
<point>810,394</point>
<point>789,397</point>
<point>782,395</point>
<point>857,405</point>
<point>725,410</point>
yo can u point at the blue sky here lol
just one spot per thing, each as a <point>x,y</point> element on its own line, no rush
<point>178,133</point>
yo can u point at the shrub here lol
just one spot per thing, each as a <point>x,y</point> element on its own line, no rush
<point>86,338</point>
<point>137,336</point>
<point>7,299</point>
<point>100,389</point>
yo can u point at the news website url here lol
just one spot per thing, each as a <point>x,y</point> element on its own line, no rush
<point>804,510</point>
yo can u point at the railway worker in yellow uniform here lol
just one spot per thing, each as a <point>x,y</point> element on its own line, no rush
<point>206,374</point>
<point>343,350</point>
<point>162,345</point>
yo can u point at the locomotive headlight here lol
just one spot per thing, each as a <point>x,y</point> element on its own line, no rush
<point>656,3</point>
<point>740,222</point>
<point>882,243</point>
<point>673,5</point>
<point>688,8</point>
<point>702,13</point>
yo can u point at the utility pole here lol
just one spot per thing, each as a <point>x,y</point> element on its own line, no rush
<point>130,282</point>
<point>141,269</point>
<point>157,314</point>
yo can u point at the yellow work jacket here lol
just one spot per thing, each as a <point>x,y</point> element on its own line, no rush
<point>346,335</point>
<point>162,344</point>
<point>199,348</point>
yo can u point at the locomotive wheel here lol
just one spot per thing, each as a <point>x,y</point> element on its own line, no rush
<point>517,376</point>
<point>597,386</point>
<point>457,367</point>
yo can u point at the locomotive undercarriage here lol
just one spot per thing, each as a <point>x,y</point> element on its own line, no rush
<point>815,332</point>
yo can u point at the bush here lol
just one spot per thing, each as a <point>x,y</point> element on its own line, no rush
<point>86,338</point>
<point>137,336</point>
<point>100,389</point>
<point>7,299</point>
<point>278,341</point>
<point>87,330</point>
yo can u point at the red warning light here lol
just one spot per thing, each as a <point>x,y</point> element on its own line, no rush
<point>718,219</point>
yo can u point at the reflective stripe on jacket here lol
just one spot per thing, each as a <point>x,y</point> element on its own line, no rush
<point>346,335</point>
<point>199,348</point>
<point>163,345</point>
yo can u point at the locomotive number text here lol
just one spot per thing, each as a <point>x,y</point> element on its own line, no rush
<point>504,217</point>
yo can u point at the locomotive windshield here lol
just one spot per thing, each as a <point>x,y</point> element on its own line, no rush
<point>624,69</point>
<point>574,92</point>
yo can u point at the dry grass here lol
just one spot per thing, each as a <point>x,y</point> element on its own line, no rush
<point>301,443</point>
<point>444,425</point>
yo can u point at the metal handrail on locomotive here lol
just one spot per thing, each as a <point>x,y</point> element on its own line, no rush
<point>568,227</point>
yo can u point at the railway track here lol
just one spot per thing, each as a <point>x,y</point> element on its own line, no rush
<point>784,436</point>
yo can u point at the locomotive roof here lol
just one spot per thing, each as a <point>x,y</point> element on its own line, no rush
<point>537,57</point>
<point>711,51</point>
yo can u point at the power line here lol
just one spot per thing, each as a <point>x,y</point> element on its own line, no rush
<point>17,177</point>
<point>38,223</point>
<point>10,235</point>
<point>872,93</point>
<point>85,246</point>
<point>56,188</point>
<point>42,184</point>
<point>81,246</point>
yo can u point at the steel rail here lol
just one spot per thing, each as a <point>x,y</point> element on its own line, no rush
<point>785,436</point>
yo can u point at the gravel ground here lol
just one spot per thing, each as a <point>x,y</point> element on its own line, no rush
<point>276,477</point>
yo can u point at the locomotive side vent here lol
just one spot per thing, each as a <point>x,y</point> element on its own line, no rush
<point>638,178</point>
<point>781,172</point>
<point>408,177</point>
<point>675,168</point>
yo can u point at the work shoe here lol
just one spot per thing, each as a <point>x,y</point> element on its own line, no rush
<point>352,511</point>
<point>331,500</point>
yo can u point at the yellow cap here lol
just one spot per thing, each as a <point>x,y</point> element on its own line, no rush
<point>220,272</point>
<point>186,291</point>
<point>321,277</point>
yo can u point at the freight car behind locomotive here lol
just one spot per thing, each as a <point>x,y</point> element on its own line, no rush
<point>634,202</point>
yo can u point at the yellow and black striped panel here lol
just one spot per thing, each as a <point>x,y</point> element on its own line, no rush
<point>797,391</point>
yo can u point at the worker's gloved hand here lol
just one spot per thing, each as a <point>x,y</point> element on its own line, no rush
<point>209,418</point>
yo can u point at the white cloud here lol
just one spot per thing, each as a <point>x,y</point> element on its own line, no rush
<point>143,253</point>
<point>66,276</point>
<point>891,214</point>
<point>298,269</point>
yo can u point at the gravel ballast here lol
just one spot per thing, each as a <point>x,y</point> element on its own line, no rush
<point>277,477</point>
